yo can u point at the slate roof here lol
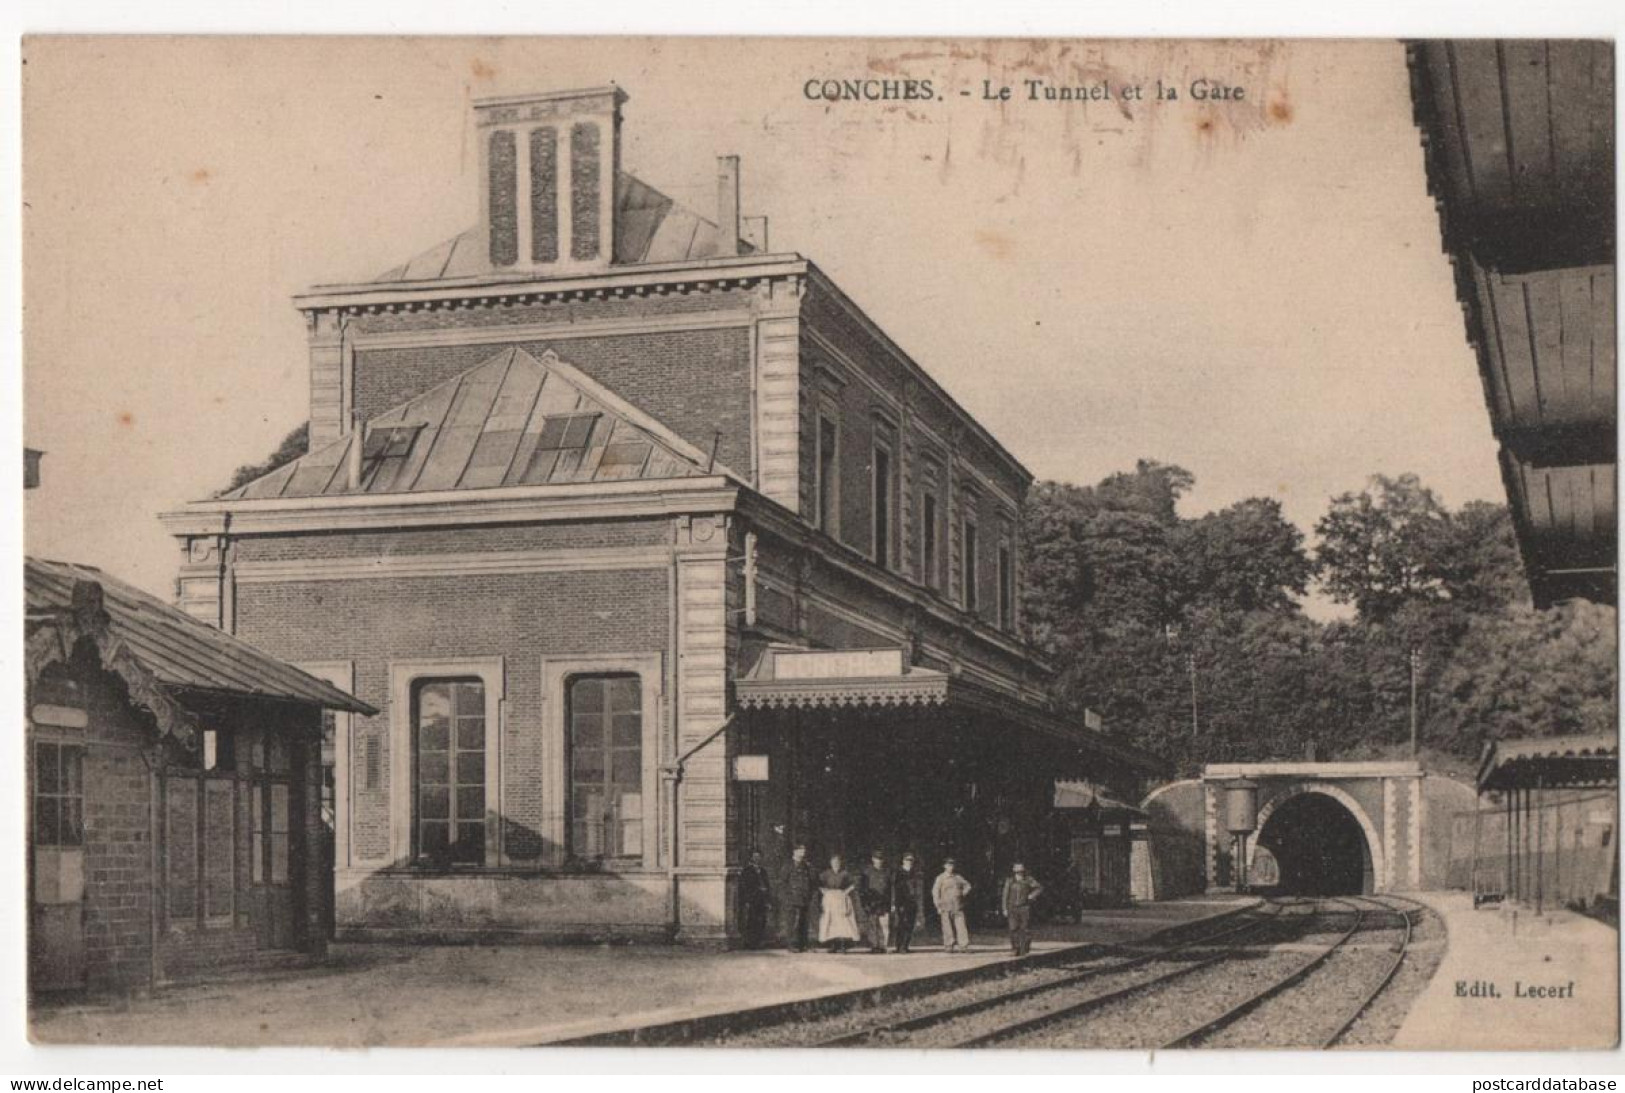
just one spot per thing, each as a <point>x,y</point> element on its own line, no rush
<point>177,650</point>
<point>512,420</point>
<point>649,228</point>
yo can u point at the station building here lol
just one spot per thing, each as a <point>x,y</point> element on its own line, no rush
<point>654,550</point>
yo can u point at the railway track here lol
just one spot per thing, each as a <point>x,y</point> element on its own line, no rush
<point>1340,979</point>
<point>1298,973</point>
<point>885,1031</point>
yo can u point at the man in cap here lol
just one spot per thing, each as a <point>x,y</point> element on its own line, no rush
<point>949,893</point>
<point>907,903</point>
<point>1020,891</point>
<point>755,893</point>
<point>875,897</point>
<point>800,889</point>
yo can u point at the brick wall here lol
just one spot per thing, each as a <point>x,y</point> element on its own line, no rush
<point>694,381</point>
<point>884,402</point>
<point>521,617</point>
<point>118,846</point>
<point>118,864</point>
<point>391,542</point>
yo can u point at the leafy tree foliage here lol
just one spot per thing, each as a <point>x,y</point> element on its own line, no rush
<point>294,445</point>
<point>1139,607</point>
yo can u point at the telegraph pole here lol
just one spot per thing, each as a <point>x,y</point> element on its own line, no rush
<point>1415,659</point>
<point>1190,662</point>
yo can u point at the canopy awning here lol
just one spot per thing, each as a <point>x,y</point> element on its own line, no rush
<point>1552,762</point>
<point>814,679</point>
<point>1089,797</point>
<point>794,678</point>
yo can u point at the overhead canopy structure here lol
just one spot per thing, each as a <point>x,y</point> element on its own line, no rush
<point>789,677</point>
<point>1088,797</point>
<point>166,657</point>
<point>1554,762</point>
<point>1519,142</point>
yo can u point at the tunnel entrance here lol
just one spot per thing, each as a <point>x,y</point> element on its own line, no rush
<point>1320,847</point>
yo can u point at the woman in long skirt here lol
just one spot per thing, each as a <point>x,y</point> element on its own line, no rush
<point>838,920</point>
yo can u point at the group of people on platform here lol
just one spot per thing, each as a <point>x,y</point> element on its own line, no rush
<point>877,906</point>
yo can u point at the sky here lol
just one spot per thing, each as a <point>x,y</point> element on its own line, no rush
<point>1252,289</point>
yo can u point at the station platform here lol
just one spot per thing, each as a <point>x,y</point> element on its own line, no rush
<point>1514,981</point>
<point>393,995</point>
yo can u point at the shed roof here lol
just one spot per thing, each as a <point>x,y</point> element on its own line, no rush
<point>177,651</point>
<point>1551,761</point>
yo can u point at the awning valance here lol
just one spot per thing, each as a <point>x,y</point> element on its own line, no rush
<point>819,679</point>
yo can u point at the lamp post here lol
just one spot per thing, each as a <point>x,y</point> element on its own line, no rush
<point>1241,816</point>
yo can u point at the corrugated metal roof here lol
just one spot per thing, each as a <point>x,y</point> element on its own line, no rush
<point>649,228</point>
<point>513,420</point>
<point>178,650</point>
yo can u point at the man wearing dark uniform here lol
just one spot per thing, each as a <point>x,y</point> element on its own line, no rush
<point>755,893</point>
<point>800,889</point>
<point>875,897</point>
<point>1019,892</point>
<point>907,903</point>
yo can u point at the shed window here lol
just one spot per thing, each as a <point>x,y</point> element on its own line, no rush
<point>606,767</point>
<point>449,771</point>
<point>59,794</point>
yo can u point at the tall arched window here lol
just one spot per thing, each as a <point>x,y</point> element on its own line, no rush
<point>606,767</point>
<point>448,718</point>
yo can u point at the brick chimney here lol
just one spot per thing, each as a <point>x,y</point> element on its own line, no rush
<point>548,164</point>
<point>727,205</point>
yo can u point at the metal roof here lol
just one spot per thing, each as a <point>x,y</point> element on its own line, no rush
<point>179,651</point>
<point>649,227</point>
<point>1549,761</point>
<point>513,420</point>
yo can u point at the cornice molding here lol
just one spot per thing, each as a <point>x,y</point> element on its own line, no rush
<point>554,331</point>
<point>504,505</point>
<point>486,291</point>
<point>461,564</point>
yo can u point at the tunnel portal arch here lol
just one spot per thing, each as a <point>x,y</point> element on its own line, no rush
<point>1372,865</point>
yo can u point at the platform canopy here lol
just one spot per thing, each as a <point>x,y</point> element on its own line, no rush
<point>795,678</point>
<point>1088,797</point>
<point>1553,762</point>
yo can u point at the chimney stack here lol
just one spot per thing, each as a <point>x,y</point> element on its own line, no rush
<point>352,454</point>
<point>727,205</point>
<point>548,165</point>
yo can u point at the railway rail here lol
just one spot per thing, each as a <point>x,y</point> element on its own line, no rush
<point>882,1031</point>
<point>1296,973</point>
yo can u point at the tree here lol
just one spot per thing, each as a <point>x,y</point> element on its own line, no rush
<point>1247,557</point>
<point>294,445</point>
<point>1382,547</point>
<point>1100,556</point>
<point>1522,672</point>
